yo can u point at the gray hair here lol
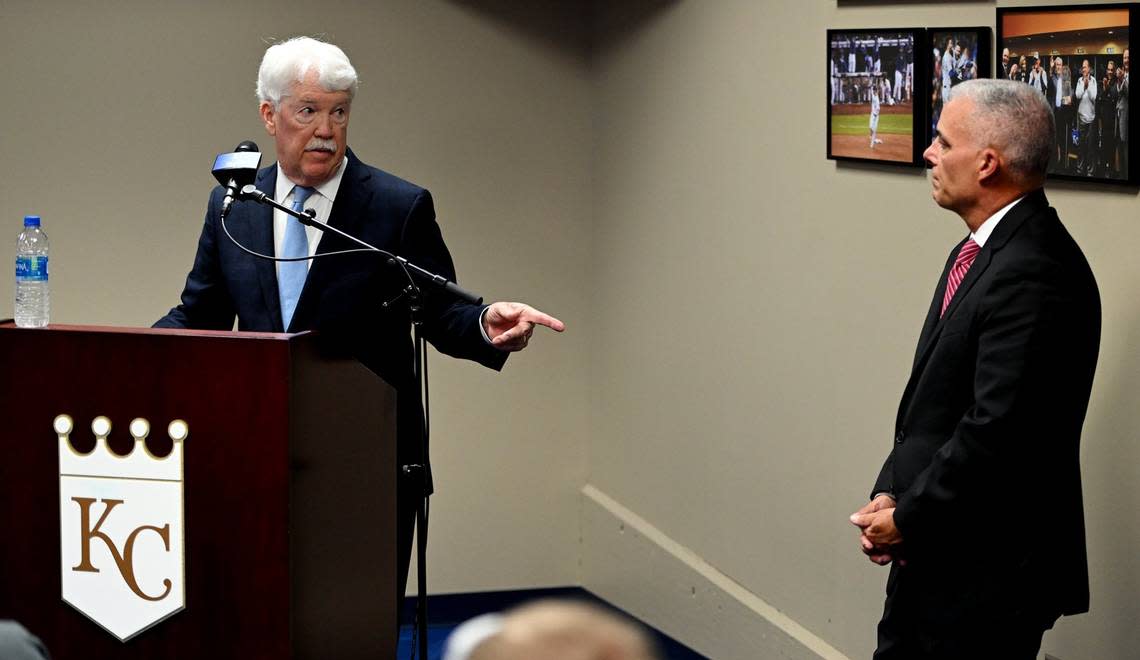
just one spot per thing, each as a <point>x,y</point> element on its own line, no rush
<point>291,61</point>
<point>1015,119</point>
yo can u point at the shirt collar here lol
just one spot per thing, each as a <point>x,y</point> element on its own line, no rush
<point>983,234</point>
<point>328,189</point>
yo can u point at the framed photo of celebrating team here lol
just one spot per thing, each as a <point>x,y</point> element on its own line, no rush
<point>956,55</point>
<point>875,91</point>
<point>1078,57</point>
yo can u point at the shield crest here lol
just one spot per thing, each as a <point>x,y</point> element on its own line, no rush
<point>122,556</point>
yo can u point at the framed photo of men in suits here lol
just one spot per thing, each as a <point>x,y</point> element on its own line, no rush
<point>956,55</point>
<point>1078,57</point>
<point>875,86</point>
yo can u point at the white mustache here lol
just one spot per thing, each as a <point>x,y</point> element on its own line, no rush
<point>321,144</point>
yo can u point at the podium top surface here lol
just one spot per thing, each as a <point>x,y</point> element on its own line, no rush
<point>9,325</point>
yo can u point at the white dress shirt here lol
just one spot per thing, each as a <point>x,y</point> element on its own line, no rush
<point>983,234</point>
<point>320,201</point>
<point>1087,107</point>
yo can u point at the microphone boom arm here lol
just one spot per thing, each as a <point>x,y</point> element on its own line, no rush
<point>308,218</point>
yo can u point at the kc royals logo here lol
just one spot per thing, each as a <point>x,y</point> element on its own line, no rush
<point>121,532</point>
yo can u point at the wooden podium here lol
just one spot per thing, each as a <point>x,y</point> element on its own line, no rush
<point>289,488</point>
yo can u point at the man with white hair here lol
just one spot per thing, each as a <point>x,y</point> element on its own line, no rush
<point>551,630</point>
<point>305,90</point>
<point>978,505</point>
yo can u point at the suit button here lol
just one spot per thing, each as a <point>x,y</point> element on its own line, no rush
<point>899,437</point>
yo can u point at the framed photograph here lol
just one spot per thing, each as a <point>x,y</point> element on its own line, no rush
<point>1077,55</point>
<point>956,55</point>
<point>875,95</point>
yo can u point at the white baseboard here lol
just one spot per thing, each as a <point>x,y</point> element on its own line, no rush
<point>632,564</point>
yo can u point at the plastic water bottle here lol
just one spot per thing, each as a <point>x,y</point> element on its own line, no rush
<point>33,295</point>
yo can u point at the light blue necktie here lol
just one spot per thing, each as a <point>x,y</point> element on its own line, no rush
<point>291,274</point>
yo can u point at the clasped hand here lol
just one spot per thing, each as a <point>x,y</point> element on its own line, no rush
<point>879,538</point>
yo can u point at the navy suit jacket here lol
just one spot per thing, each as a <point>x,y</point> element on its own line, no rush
<point>343,295</point>
<point>985,465</point>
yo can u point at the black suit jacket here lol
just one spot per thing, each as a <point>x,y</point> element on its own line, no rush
<point>343,295</point>
<point>1051,94</point>
<point>985,465</point>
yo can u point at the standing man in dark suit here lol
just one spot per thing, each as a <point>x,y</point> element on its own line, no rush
<point>1106,117</point>
<point>978,506</point>
<point>1059,95</point>
<point>305,88</point>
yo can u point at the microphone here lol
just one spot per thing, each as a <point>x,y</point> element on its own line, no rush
<point>236,169</point>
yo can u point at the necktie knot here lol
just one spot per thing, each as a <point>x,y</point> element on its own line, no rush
<point>967,253</point>
<point>300,194</point>
<point>962,263</point>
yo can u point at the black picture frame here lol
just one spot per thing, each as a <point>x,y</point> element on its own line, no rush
<point>849,90</point>
<point>972,60</point>
<point>1099,151</point>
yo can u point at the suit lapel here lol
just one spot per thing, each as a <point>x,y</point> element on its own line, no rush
<point>260,222</point>
<point>1033,203</point>
<point>352,198</point>
<point>930,331</point>
<point>932,314</point>
<point>981,263</point>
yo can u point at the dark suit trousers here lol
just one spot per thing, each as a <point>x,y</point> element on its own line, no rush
<point>1062,137</point>
<point>937,614</point>
<point>1088,146</point>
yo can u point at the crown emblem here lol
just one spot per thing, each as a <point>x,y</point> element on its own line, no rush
<point>138,463</point>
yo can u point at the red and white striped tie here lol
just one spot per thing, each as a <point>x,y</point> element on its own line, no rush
<point>958,272</point>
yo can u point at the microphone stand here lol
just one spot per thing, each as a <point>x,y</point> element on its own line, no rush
<point>414,296</point>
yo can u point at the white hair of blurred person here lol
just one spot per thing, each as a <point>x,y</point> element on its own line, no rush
<point>551,630</point>
<point>290,62</point>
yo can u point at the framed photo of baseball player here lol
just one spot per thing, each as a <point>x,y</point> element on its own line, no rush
<point>956,55</point>
<point>875,89</point>
<point>1078,57</point>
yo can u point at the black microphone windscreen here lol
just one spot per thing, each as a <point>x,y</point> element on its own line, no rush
<point>237,168</point>
<point>247,145</point>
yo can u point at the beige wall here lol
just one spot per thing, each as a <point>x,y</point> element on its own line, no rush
<point>115,111</point>
<point>762,306</point>
<point>742,311</point>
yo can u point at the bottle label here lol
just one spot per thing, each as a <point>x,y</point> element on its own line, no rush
<point>31,269</point>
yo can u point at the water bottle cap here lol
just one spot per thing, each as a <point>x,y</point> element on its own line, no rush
<point>31,221</point>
